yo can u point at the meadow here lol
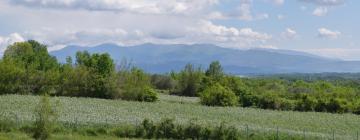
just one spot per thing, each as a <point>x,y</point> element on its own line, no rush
<point>95,112</point>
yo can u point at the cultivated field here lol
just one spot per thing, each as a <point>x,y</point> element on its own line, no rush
<point>88,111</point>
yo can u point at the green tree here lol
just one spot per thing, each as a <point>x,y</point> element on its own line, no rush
<point>189,81</point>
<point>41,70</point>
<point>102,64</point>
<point>31,54</point>
<point>11,78</point>
<point>135,85</point>
<point>215,71</point>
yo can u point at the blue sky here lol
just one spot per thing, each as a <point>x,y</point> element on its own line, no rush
<point>323,27</point>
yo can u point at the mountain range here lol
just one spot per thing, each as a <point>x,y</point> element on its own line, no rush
<point>157,58</point>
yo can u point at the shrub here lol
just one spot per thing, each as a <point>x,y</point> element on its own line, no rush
<point>193,131</point>
<point>45,119</point>
<point>166,129</point>
<point>148,95</point>
<point>222,132</point>
<point>135,85</point>
<point>163,82</point>
<point>149,129</point>
<point>217,95</point>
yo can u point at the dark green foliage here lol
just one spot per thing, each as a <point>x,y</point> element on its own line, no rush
<point>45,119</point>
<point>166,129</point>
<point>163,82</point>
<point>149,129</point>
<point>27,68</point>
<point>335,96</point>
<point>11,78</point>
<point>223,132</point>
<point>34,70</point>
<point>217,95</point>
<point>188,81</point>
<point>7,125</point>
<point>215,71</point>
<point>31,54</point>
<point>102,64</point>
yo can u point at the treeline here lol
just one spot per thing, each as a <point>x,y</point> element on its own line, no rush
<point>218,89</point>
<point>27,68</point>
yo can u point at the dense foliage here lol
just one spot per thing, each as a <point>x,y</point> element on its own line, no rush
<point>188,81</point>
<point>217,95</point>
<point>27,68</point>
<point>335,96</point>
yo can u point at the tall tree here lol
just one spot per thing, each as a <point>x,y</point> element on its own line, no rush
<point>189,81</point>
<point>215,71</point>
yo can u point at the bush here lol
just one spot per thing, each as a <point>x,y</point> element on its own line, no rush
<point>166,129</point>
<point>148,95</point>
<point>149,129</point>
<point>135,85</point>
<point>45,119</point>
<point>163,82</point>
<point>143,94</point>
<point>217,95</point>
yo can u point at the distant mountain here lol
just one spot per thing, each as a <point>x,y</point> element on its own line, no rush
<point>164,58</point>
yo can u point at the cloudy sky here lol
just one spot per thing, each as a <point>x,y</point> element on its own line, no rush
<point>324,27</point>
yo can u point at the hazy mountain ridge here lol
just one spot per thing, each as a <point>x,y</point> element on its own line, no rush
<point>164,58</point>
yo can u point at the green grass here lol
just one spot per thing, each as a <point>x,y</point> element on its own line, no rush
<point>87,111</point>
<point>24,136</point>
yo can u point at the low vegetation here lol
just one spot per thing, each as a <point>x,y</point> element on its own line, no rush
<point>99,117</point>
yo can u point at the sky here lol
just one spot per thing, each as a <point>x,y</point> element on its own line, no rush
<point>328,28</point>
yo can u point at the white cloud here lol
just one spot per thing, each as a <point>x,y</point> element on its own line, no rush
<point>201,32</point>
<point>320,11</point>
<point>232,37</point>
<point>326,33</point>
<point>231,33</point>
<point>93,24</point>
<point>323,5</point>
<point>242,12</point>
<point>132,6</point>
<point>289,33</point>
<point>8,40</point>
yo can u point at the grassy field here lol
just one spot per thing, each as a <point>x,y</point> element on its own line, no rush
<point>87,111</point>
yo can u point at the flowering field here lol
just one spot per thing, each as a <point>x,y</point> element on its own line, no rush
<point>88,111</point>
